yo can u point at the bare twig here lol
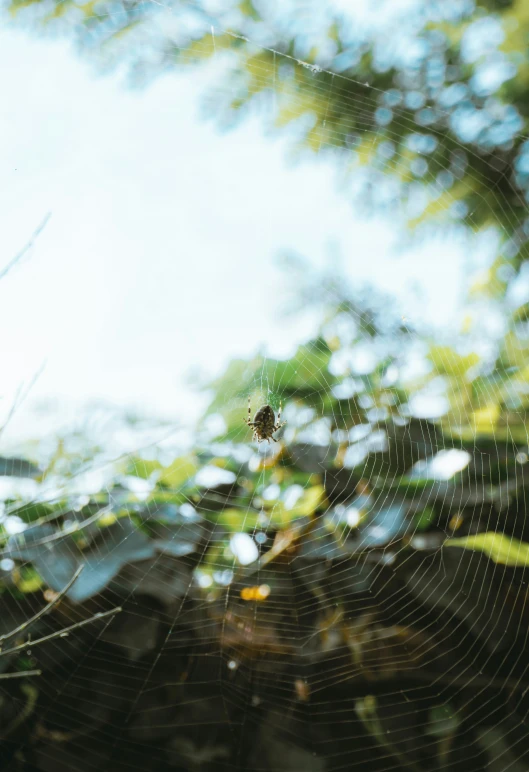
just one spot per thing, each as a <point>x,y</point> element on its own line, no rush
<point>59,534</point>
<point>62,633</point>
<point>20,674</point>
<point>43,611</point>
<point>25,249</point>
<point>57,634</point>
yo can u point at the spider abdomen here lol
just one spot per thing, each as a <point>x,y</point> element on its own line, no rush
<point>264,416</point>
<point>264,423</point>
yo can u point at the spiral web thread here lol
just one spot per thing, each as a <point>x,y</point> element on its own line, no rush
<point>259,666</point>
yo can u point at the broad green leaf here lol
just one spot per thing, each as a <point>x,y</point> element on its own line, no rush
<point>207,46</point>
<point>500,548</point>
<point>485,418</point>
<point>248,9</point>
<point>522,313</point>
<point>173,497</point>
<point>237,519</point>
<point>142,468</point>
<point>30,513</point>
<point>27,579</point>
<point>309,502</point>
<point>448,362</point>
<point>277,515</point>
<point>108,519</point>
<point>179,471</point>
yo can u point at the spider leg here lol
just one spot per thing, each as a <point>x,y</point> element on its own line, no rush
<point>247,420</point>
<point>274,439</point>
<point>279,414</point>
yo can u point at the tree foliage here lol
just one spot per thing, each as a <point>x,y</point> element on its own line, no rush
<point>375,528</point>
<point>429,111</point>
<point>386,530</point>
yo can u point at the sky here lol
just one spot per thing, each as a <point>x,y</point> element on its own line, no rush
<point>160,255</point>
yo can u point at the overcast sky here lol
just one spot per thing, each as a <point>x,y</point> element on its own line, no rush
<point>160,254</point>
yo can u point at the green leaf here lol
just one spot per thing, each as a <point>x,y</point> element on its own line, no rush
<point>443,721</point>
<point>159,497</point>
<point>498,547</point>
<point>309,501</point>
<point>248,9</point>
<point>243,518</point>
<point>179,471</point>
<point>485,419</point>
<point>143,468</point>
<point>334,32</point>
<point>27,579</point>
<point>521,314</point>
<point>448,362</point>
<point>18,467</point>
<point>238,519</point>
<point>425,519</point>
<point>30,513</point>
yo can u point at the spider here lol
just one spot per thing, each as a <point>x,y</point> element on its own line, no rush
<point>263,423</point>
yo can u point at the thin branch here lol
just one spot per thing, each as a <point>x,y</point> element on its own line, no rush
<point>62,633</point>
<point>18,257</point>
<point>21,674</point>
<point>57,634</point>
<point>20,397</point>
<point>58,534</point>
<point>60,595</point>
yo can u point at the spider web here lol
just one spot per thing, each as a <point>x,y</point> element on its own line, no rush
<point>312,619</point>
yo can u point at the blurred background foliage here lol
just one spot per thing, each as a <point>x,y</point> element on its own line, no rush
<point>431,118</point>
<point>371,566</point>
